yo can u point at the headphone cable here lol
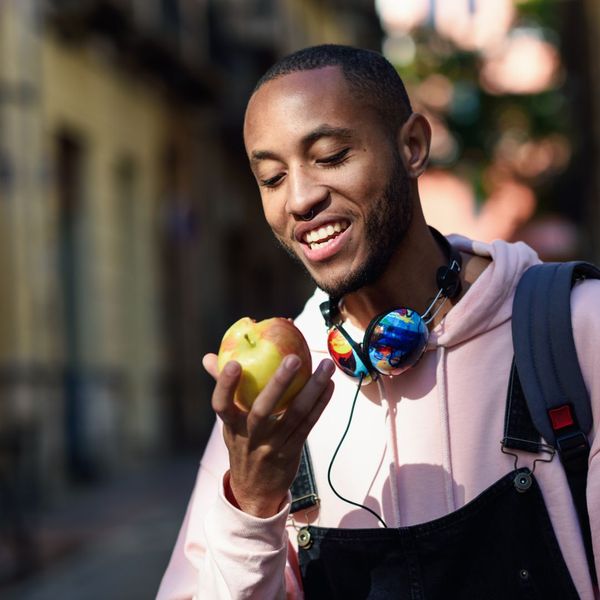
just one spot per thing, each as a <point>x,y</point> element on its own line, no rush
<point>336,452</point>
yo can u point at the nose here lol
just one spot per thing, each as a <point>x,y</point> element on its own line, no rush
<point>306,194</point>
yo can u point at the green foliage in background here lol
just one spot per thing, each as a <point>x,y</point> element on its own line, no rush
<point>478,120</point>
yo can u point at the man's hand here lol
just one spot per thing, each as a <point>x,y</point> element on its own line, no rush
<point>264,450</point>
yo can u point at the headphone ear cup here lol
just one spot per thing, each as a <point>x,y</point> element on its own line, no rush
<point>347,354</point>
<point>395,341</point>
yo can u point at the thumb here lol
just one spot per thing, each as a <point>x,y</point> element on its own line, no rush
<point>209,362</point>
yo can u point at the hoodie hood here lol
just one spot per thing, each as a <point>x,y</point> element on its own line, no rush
<point>486,305</point>
<point>488,302</point>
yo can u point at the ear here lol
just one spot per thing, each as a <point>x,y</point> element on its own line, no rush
<point>414,141</point>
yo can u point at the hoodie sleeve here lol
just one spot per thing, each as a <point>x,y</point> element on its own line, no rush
<point>222,553</point>
<point>585,302</point>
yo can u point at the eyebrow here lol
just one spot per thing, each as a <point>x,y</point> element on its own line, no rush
<point>322,131</point>
<point>326,131</point>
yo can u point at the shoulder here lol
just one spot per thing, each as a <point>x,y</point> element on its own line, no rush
<point>585,314</point>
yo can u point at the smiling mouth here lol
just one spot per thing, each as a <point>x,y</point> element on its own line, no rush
<point>319,237</point>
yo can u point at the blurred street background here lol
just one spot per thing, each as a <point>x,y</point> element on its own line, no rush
<point>131,233</point>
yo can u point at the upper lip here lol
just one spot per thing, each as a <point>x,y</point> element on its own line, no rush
<point>302,228</point>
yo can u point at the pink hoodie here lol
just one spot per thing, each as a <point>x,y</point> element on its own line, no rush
<point>418,448</point>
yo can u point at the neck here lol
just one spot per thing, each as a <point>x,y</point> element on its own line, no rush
<point>409,281</point>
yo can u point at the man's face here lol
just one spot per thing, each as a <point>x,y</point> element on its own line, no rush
<point>317,150</point>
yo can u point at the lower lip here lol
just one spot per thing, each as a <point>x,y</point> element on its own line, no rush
<point>328,250</point>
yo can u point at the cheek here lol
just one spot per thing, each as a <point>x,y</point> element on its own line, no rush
<point>274,215</point>
<point>367,183</point>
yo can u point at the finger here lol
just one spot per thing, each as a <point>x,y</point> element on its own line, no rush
<point>209,362</point>
<point>222,398</point>
<point>267,400</point>
<point>299,435</point>
<point>303,404</point>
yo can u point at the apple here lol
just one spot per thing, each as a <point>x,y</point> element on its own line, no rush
<point>260,347</point>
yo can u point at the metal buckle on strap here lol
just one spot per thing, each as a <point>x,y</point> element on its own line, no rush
<point>314,499</point>
<point>508,442</point>
<point>573,446</point>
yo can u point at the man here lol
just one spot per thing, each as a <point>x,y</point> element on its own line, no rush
<point>336,151</point>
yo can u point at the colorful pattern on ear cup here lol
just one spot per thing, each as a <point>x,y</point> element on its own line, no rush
<point>396,340</point>
<point>345,356</point>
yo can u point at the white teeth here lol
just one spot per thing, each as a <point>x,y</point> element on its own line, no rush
<point>316,245</point>
<point>316,237</point>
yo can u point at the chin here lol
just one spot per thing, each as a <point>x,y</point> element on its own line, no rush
<point>336,282</point>
<point>337,287</point>
<point>328,278</point>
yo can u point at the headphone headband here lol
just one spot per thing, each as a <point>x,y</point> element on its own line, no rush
<point>448,277</point>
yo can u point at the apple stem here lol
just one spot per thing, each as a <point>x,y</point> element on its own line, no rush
<point>249,340</point>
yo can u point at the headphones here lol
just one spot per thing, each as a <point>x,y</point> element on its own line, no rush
<point>394,340</point>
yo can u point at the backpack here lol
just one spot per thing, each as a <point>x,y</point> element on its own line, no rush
<point>547,396</point>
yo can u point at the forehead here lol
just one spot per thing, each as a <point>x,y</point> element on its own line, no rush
<point>290,106</point>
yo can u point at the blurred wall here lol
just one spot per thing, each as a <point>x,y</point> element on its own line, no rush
<point>84,135</point>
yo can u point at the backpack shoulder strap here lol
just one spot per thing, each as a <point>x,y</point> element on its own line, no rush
<point>545,354</point>
<point>549,375</point>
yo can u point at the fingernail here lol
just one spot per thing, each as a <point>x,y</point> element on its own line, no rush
<point>291,362</point>
<point>326,369</point>
<point>231,369</point>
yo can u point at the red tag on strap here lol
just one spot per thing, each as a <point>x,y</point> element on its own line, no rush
<point>561,417</point>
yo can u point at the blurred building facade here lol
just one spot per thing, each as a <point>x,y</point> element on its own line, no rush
<point>130,228</point>
<point>86,127</point>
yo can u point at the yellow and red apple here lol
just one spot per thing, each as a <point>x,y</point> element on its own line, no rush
<point>260,347</point>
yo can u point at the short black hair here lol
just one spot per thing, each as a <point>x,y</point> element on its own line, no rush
<point>367,72</point>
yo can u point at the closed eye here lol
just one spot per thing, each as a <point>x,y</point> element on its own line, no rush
<point>334,159</point>
<point>271,181</point>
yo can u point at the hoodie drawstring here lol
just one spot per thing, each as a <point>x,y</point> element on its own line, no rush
<point>392,444</point>
<point>442,387</point>
<point>392,440</point>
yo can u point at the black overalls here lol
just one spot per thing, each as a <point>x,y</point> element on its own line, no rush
<point>501,545</point>
<point>498,546</point>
